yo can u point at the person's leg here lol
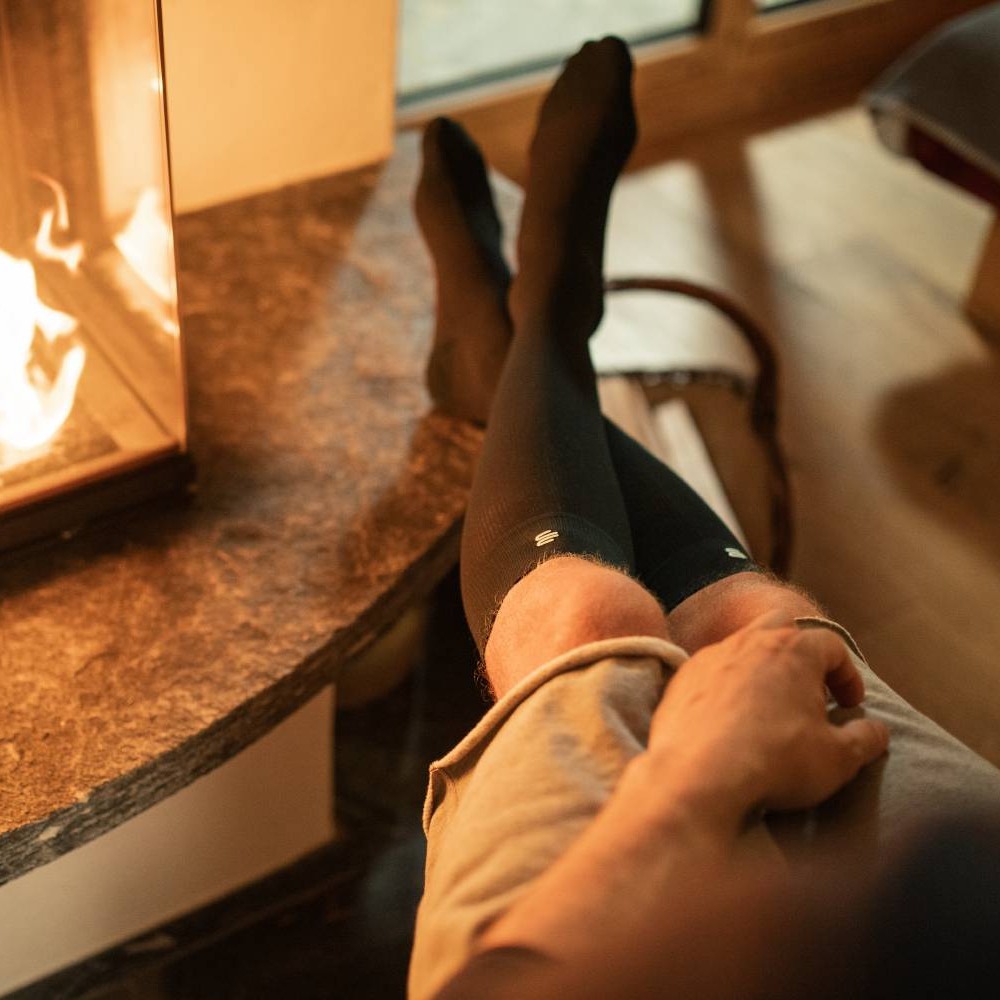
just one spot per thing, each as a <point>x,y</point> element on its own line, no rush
<point>496,816</point>
<point>459,222</point>
<point>545,484</point>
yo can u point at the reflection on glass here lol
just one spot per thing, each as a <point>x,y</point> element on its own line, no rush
<point>446,44</point>
<point>90,366</point>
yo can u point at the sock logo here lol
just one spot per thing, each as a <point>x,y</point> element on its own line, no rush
<point>735,553</point>
<point>544,537</point>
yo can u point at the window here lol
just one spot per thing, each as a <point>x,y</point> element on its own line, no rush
<point>700,66</point>
<point>446,45</point>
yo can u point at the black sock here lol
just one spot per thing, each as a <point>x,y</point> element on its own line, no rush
<point>579,149</point>
<point>679,543</point>
<point>459,222</point>
<point>545,484</point>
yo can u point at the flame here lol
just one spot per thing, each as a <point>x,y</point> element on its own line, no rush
<point>145,242</point>
<point>34,407</point>
<point>70,255</point>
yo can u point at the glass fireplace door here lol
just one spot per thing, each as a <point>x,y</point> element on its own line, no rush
<point>91,374</point>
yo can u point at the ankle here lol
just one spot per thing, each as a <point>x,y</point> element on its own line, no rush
<point>565,301</point>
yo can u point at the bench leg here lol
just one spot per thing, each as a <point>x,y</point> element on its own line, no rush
<point>983,303</point>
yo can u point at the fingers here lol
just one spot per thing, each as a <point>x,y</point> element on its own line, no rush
<point>842,676</point>
<point>822,647</point>
<point>861,741</point>
<point>829,655</point>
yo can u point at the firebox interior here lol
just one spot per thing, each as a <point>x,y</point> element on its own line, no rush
<point>91,366</point>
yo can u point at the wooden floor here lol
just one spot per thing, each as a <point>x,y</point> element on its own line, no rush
<point>857,264</point>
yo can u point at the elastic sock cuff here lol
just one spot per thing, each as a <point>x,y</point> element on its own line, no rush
<point>689,570</point>
<point>522,549</point>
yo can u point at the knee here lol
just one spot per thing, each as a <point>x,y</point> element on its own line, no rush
<point>563,603</point>
<point>728,605</point>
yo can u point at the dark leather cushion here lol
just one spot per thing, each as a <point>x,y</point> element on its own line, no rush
<point>946,89</point>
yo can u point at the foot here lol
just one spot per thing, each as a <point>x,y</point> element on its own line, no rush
<point>459,222</point>
<point>586,131</point>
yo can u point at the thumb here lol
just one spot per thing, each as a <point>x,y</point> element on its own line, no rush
<point>861,741</point>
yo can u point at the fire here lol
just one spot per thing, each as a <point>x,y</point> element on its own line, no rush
<point>33,407</point>
<point>71,255</point>
<point>145,242</point>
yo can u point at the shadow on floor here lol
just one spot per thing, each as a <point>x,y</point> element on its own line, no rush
<point>941,439</point>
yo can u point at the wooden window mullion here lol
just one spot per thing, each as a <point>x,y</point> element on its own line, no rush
<point>729,20</point>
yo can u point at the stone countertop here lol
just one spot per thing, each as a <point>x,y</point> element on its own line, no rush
<point>136,657</point>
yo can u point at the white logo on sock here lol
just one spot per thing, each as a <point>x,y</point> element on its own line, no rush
<point>735,553</point>
<point>544,537</point>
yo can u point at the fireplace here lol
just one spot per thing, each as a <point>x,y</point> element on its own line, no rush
<point>92,396</point>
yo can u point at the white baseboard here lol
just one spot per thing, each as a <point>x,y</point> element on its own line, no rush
<point>262,810</point>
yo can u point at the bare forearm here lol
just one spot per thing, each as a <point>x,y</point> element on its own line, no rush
<point>649,841</point>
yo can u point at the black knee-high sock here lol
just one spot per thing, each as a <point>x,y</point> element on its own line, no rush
<point>545,483</point>
<point>679,543</point>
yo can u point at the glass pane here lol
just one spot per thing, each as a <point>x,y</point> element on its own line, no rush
<point>90,364</point>
<point>447,44</point>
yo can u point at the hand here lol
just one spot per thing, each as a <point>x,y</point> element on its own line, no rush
<point>743,724</point>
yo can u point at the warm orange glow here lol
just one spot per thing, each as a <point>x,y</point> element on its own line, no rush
<point>70,255</point>
<point>145,242</point>
<point>33,406</point>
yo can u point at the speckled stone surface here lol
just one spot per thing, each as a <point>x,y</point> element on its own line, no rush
<point>138,656</point>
